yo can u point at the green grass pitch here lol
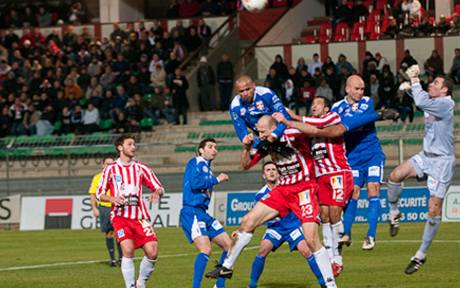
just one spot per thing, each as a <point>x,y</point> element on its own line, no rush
<point>78,259</point>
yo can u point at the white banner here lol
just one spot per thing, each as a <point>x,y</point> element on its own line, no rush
<point>10,209</point>
<point>451,205</point>
<point>74,212</point>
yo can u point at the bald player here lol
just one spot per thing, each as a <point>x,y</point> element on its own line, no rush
<point>365,156</point>
<point>250,104</point>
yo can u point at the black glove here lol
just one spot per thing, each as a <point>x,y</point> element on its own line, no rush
<point>388,114</point>
<point>263,146</point>
<point>282,149</point>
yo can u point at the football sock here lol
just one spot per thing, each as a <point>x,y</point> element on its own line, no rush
<point>242,240</point>
<point>315,269</point>
<point>256,271</point>
<point>337,232</point>
<point>431,228</point>
<point>327,239</point>
<point>200,264</point>
<point>120,253</point>
<point>349,216</point>
<point>373,213</point>
<point>146,269</point>
<point>220,283</point>
<point>394,190</point>
<point>110,248</point>
<point>324,265</point>
<point>127,268</point>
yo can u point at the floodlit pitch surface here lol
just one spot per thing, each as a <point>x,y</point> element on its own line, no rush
<point>65,258</point>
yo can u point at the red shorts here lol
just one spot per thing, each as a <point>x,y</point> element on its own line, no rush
<point>335,189</point>
<point>140,231</point>
<point>300,198</point>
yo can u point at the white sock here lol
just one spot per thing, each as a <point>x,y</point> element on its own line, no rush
<point>337,232</point>
<point>324,265</point>
<point>327,239</point>
<point>242,240</point>
<point>146,269</point>
<point>128,270</point>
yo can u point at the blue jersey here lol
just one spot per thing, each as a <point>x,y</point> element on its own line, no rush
<point>360,141</point>
<point>245,115</point>
<point>197,183</point>
<point>288,222</point>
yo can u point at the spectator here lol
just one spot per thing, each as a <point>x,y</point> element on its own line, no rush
<point>90,119</point>
<point>72,88</point>
<point>412,7</point>
<point>381,61</point>
<point>274,82</point>
<point>117,32</point>
<point>405,106</point>
<point>434,64</point>
<point>206,80</point>
<point>358,10</point>
<point>442,26</point>
<point>44,125</point>
<point>31,117</point>
<point>121,98</point>
<point>333,82</point>
<point>315,63</point>
<point>280,67</point>
<point>192,41</point>
<point>306,94</point>
<point>455,69</point>
<point>408,59</point>
<point>173,10</point>
<point>65,118</point>
<point>342,62</point>
<point>325,91</point>
<point>5,122</point>
<point>158,76</point>
<point>455,30</point>
<point>425,28</point>
<point>301,65</point>
<point>107,79</point>
<point>17,110</point>
<point>392,30</point>
<point>120,124</point>
<point>167,109</point>
<point>44,17</point>
<point>327,64</point>
<point>343,13</point>
<point>225,77</point>
<point>76,119</point>
<point>204,31</point>
<point>189,8</point>
<point>372,89</point>
<point>179,86</point>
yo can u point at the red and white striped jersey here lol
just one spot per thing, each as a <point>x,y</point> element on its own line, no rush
<point>299,166</point>
<point>127,180</point>
<point>329,153</point>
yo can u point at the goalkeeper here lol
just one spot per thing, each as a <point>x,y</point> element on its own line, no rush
<point>435,163</point>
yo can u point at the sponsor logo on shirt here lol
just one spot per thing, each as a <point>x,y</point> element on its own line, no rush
<point>337,182</point>
<point>260,105</point>
<point>121,233</point>
<point>118,178</point>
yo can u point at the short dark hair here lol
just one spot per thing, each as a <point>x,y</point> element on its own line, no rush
<point>120,140</point>
<point>266,164</point>
<point>107,157</point>
<point>203,144</point>
<point>327,102</point>
<point>448,83</point>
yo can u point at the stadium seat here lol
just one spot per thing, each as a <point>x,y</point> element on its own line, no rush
<point>105,124</point>
<point>325,33</point>
<point>146,123</point>
<point>341,31</point>
<point>215,122</point>
<point>280,3</point>
<point>57,125</point>
<point>357,33</point>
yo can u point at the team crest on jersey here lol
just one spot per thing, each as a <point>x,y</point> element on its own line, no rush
<point>337,182</point>
<point>242,111</point>
<point>205,169</point>
<point>260,105</point>
<point>340,110</point>
<point>121,233</point>
<point>118,178</point>
<point>354,107</point>
<point>304,197</point>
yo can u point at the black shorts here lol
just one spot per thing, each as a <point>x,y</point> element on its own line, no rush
<point>104,219</point>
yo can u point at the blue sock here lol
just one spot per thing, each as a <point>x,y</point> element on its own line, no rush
<point>200,264</point>
<point>373,213</point>
<point>220,283</point>
<point>256,271</point>
<point>315,269</point>
<point>349,216</point>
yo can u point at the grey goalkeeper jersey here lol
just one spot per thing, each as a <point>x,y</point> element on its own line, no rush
<point>439,122</point>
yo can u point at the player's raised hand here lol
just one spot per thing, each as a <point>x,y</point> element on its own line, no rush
<point>405,86</point>
<point>413,72</point>
<point>223,177</point>
<point>279,117</point>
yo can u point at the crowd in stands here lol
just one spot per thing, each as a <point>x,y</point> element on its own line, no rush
<point>298,85</point>
<point>193,8</point>
<point>376,19</point>
<point>75,84</point>
<point>18,15</point>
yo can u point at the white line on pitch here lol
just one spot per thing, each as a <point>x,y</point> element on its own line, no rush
<point>182,255</point>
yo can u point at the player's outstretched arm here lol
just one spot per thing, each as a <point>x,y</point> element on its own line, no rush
<point>238,123</point>
<point>245,159</point>
<point>435,107</point>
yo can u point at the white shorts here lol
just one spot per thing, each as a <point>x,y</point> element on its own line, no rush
<point>440,171</point>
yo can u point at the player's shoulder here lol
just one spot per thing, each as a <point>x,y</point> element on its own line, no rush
<point>338,104</point>
<point>197,161</point>
<point>141,164</point>
<point>235,102</point>
<point>264,91</point>
<point>264,190</point>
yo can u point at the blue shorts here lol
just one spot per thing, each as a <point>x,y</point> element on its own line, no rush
<point>278,235</point>
<point>196,222</point>
<point>368,170</point>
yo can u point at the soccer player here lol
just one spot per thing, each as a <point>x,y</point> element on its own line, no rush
<point>129,214</point>
<point>365,156</point>
<point>436,162</point>
<point>334,176</point>
<point>102,209</point>
<point>295,192</point>
<point>279,231</point>
<point>251,103</point>
<point>199,227</point>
